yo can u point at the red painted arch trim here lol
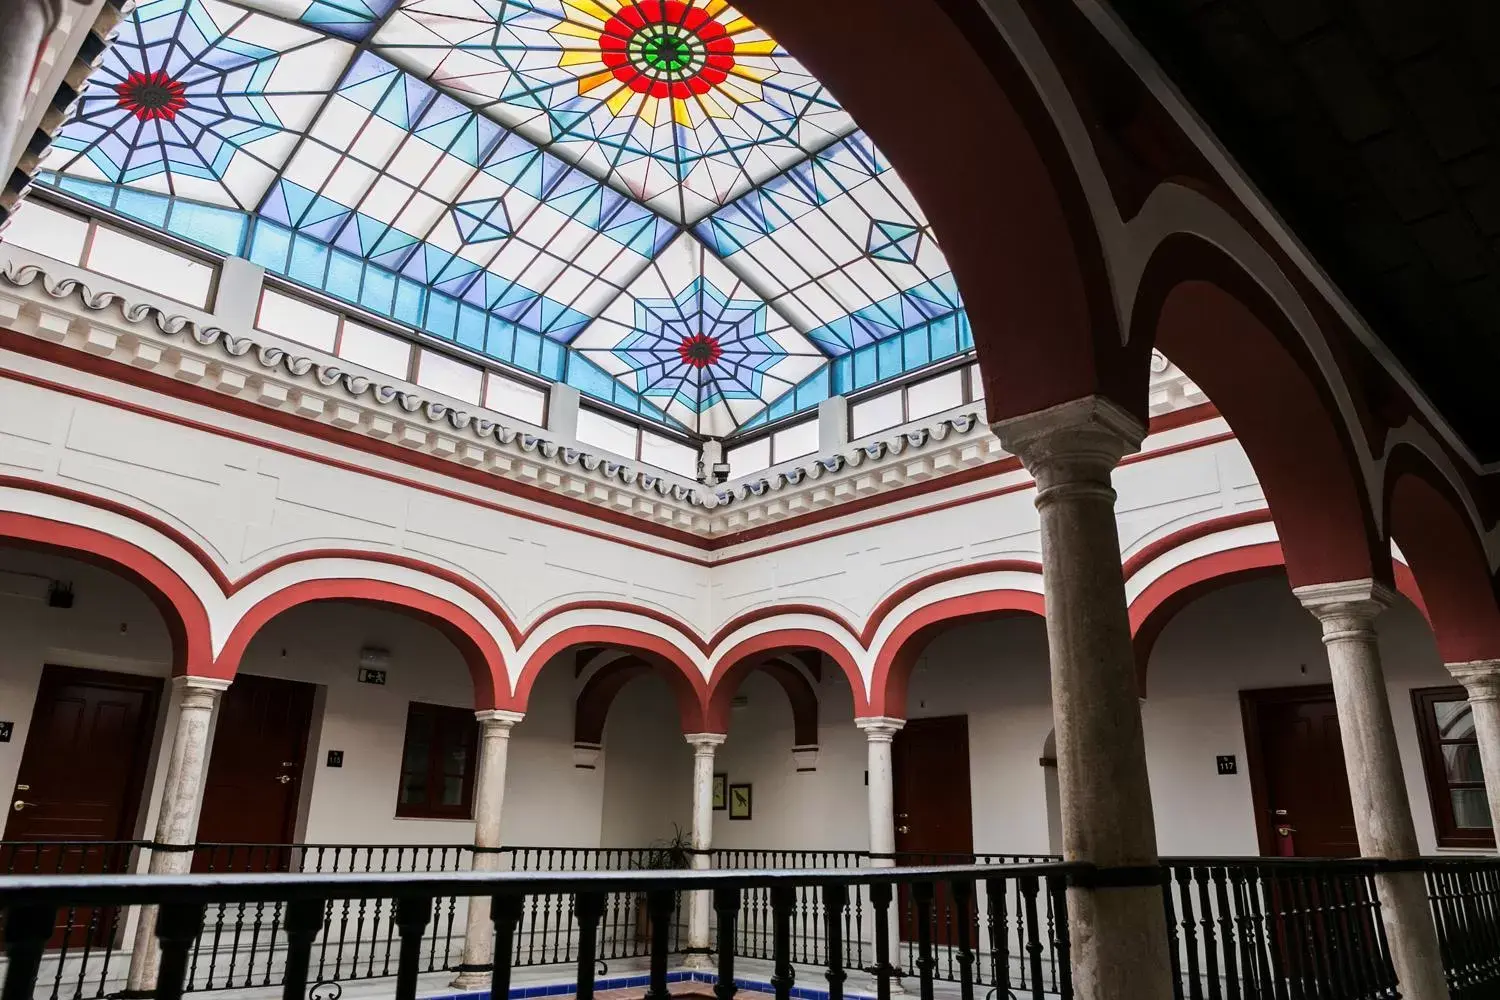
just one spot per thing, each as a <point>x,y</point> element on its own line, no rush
<point>599,693</point>
<point>181,610</point>
<point>476,645</point>
<point>668,659</point>
<point>745,655</point>
<point>1180,586</point>
<point>778,611</point>
<point>1152,551</point>
<point>906,590</point>
<point>899,653</point>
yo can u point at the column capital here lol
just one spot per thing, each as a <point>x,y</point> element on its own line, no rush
<point>497,720</point>
<point>1083,439</point>
<point>200,692</point>
<point>1346,607</point>
<point>1480,678</point>
<point>880,728</point>
<point>704,744</point>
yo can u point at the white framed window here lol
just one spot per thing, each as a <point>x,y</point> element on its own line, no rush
<point>147,265</point>
<point>450,376</point>
<point>515,399</point>
<point>612,435</point>
<point>794,442</point>
<point>976,383</point>
<point>377,351</point>
<point>870,416</point>
<point>935,395</point>
<point>672,456</point>
<point>748,459</point>
<point>298,320</point>
<point>49,232</point>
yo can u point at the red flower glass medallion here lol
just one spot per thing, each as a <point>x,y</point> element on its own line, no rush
<point>149,96</point>
<point>700,350</point>
<point>666,48</point>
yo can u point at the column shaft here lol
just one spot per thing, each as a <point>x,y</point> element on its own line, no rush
<point>700,902</point>
<point>1119,934</point>
<point>24,25</point>
<point>879,732</point>
<point>489,801</point>
<point>177,820</point>
<point>1377,787</point>
<point>1481,679</point>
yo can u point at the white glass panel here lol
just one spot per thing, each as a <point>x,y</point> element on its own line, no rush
<point>151,267</point>
<point>935,395</point>
<point>47,231</point>
<point>373,349</point>
<point>795,441</point>
<point>510,397</point>
<point>871,415</point>
<point>749,458</point>
<point>297,320</point>
<point>665,453</point>
<point>976,384</point>
<point>450,377</point>
<point>602,432</point>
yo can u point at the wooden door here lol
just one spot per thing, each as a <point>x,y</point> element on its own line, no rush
<point>934,815</point>
<point>254,781</point>
<point>1297,775</point>
<point>80,782</point>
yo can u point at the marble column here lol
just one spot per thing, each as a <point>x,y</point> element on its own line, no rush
<point>1382,811</point>
<point>700,902</point>
<point>489,800</point>
<point>1481,679</point>
<point>177,820</point>
<point>879,732</point>
<point>24,26</point>
<point>1119,932</point>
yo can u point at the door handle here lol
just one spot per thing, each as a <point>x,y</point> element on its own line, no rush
<point>1285,831</point>
<point>18,805</point>
<point>903,829</point>
<point>284,778</point>
<point>289,763</point>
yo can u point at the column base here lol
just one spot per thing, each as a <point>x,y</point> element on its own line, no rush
<point>473,977</point>
<point>701,960</point>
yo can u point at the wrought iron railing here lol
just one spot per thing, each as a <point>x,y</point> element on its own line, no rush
<point>1240,928</point>
<point>31,906</point>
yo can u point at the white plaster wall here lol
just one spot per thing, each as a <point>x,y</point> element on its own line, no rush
<point>822,809</point>
<point>647,767</point>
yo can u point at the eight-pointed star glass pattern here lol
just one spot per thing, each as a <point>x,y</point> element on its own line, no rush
<point>648,199</point>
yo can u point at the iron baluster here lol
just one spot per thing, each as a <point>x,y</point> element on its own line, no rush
<point>505,913</point>
<point>1057,891</point>
<point>177,927</point>
<point>835,896</point>
<point>660,904</point>
<point>962,891</point>
<point>782,975</point>
<point>1210,943</point>
<point>27,929</point>
<point>727,908</point>
<point>412,914</point>
<point>589,909</point>
<point>304,918</point>
<point>921,894</point>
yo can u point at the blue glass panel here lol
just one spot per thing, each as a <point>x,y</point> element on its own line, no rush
<point>554,356</point>
<point>890,361</point>
<point>865,372</point>
<point>344,276</point>
<point>442,313</point>
<point>410,297</point>
<point>220,229</point>
<point>471,327</point>
<point>309,263</point>
<point>379,291</point>
<point>500,340</point>
<point>528,351</point>
<point>944,338</point>
<point>143,206</point>
<point>270,247</point>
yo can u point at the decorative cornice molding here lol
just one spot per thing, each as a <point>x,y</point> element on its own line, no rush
<point>190,348</point>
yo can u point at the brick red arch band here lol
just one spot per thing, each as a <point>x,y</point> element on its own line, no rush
<point>662,656</point>
<point>481,655</point>
<point>754,652</point>
<point>181,610</point>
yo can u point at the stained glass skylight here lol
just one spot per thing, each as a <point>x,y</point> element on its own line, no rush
<point>648,199</point>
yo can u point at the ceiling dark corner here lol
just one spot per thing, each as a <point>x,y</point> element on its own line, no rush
<point>1373,127</point>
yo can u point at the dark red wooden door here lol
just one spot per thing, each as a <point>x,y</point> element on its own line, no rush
<point>255,774</point>
<point>934,814</point>
<point>1305,787</point>
<point>80,781</point>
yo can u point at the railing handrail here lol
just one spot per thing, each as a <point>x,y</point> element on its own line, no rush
<point>64,890</point>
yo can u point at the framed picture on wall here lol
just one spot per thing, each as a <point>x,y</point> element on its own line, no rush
<point>740,801</point>
<point>721,796</point>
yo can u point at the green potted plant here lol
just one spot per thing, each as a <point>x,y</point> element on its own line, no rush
<point>673,853</point>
